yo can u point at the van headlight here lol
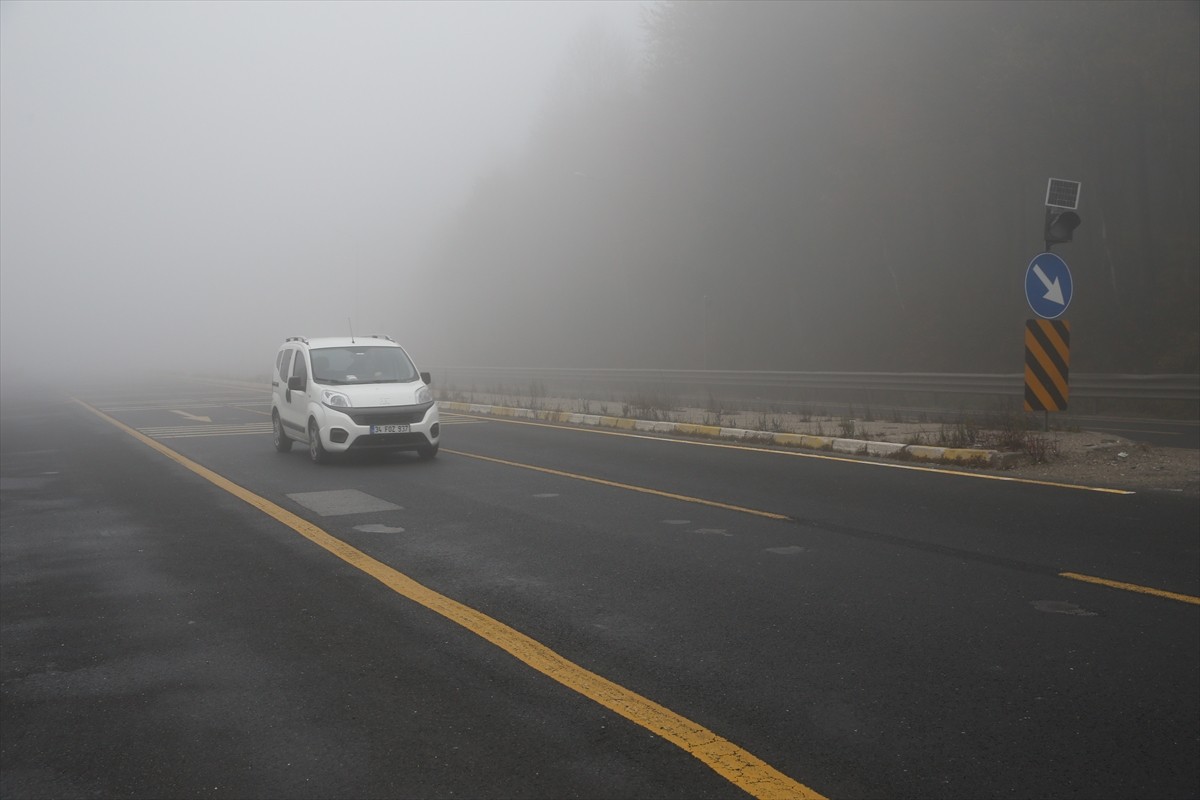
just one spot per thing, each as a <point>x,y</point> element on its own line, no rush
<point>424,395</point>
<point>334,399</point>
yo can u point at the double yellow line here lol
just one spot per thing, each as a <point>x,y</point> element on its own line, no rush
<point>736,765</point>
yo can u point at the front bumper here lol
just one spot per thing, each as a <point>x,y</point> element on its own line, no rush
<point>351,428</point>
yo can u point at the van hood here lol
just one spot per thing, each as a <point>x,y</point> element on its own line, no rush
<point>374,395</point>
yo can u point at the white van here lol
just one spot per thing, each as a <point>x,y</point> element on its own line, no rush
<point>351,393</point>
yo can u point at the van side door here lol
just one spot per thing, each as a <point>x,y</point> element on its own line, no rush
<point>293,411</point>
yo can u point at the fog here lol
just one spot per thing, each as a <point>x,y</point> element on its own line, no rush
<point>751,185</point>
<point>182,185</point>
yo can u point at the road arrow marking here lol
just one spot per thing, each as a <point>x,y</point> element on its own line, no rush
<point>1053,290</point>
<point>192,417</point>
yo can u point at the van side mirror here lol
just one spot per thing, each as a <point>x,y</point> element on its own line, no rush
<point>296,383</point>
<point>425,377</point>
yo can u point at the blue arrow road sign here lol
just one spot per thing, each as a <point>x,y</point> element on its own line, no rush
<point>1048,286</point>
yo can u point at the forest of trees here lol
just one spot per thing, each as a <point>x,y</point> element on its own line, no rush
<point>843,186</point>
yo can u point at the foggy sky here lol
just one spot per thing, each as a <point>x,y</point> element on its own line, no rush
<point>184,184</point>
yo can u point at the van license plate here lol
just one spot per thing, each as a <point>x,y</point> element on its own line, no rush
<point>389,429</point>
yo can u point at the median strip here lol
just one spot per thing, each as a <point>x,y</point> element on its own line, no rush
<point>958,455</point>
<point>793,441</point>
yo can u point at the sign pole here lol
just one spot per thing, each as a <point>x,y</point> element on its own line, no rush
<point>1046,412</point>
<point>1048,290</point>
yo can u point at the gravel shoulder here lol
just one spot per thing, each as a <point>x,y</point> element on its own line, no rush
<point>1095,459</point>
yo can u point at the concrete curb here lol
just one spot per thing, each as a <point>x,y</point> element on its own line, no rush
<point>893,450</point>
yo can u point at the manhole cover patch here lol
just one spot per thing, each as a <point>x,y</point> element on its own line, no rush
<point>342,501</point>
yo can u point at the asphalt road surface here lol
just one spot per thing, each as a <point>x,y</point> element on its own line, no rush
<point>1155,432</point>
<point>552,612</point>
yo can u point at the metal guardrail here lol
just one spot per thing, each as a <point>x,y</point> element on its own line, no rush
<point>1176,396</point>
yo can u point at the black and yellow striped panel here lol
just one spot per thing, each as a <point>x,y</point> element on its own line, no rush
<point>1047,362</point>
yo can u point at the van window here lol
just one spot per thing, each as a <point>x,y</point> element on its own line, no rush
<point>300,369</point>
<point>285,361</point>
<point>362,364</point>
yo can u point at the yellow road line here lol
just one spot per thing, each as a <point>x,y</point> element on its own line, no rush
<point>731,762</point>
<point>628,486</point>
<point>1131,587</point>
<point>795,454</point>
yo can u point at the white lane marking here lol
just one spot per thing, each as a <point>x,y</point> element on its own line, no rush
<point>232,429</point>
<point>192,417</point>
<point>203,435</point>
<point>171,405</point>
<point>785,551</point>
<point>456,419</point>
<point>232,426</point>
<point>191,431</point>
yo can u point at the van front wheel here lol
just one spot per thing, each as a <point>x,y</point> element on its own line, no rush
<point>282,443</point>
<point>316,450</point>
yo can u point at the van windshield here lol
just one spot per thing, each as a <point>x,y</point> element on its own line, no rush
<point>362,365</point>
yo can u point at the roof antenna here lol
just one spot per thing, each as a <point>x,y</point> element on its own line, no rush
<point>351,324</point>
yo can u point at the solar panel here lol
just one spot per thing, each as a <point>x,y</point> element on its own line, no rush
<point>1062,194</point>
